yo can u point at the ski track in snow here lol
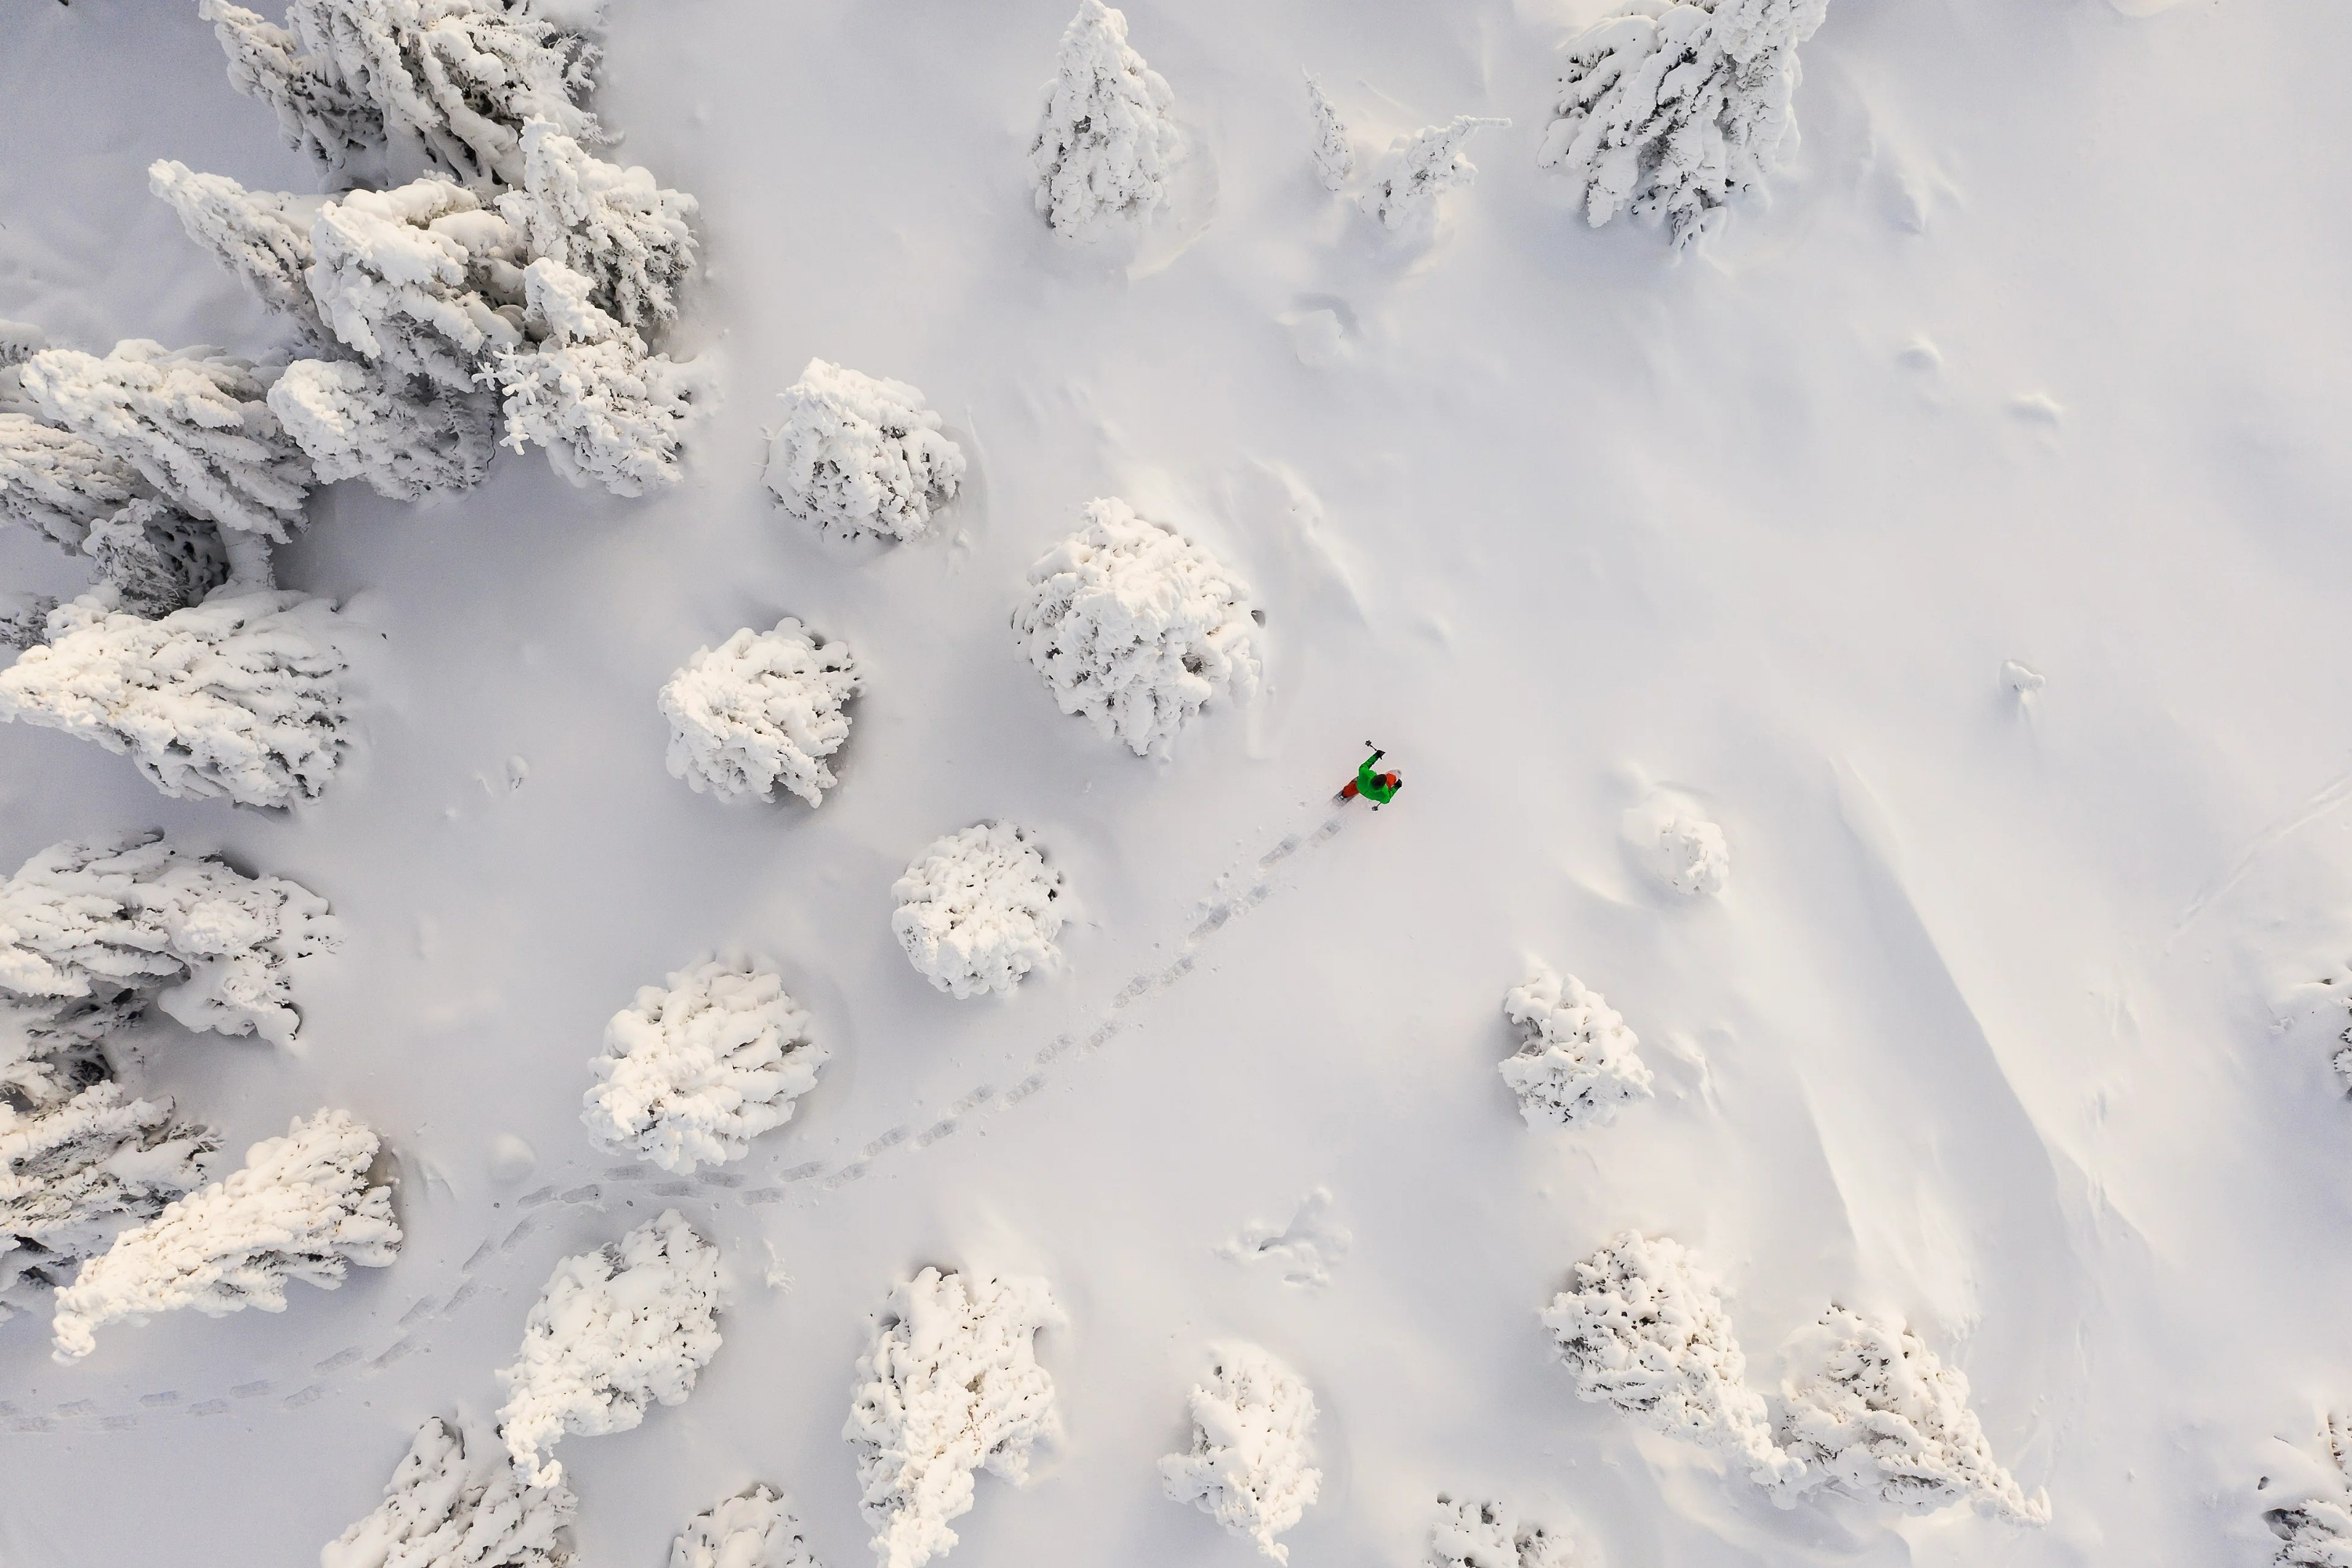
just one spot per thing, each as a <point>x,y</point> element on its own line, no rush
<point>803,1186</point>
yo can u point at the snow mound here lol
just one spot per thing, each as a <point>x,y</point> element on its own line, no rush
<point>1107,140</point>
<point>447,1508</point>
<point>1418,169</point>
<point>950,1383</point>
<point>858,454</point>
<point>690,1075</point>
<point>1135,628</point>
<point>1487,1535</point>
<point>237,698</point>
<point>1575,1065</point>
<point>1247,1469</point>
<point>1684,849</point>
<point>1334,159</point>
<point>979,909</point>
<point>613,1331</point>
<point>301,1209</point>
<point>1872,1411</point>
<point>753,1528</point>
<point>1645,1330</point>
<point>762,709</point>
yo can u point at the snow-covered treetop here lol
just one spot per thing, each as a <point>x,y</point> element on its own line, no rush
<point>692,1073</point>
<point>613,1331</point>
<point>366,422</point>
<point>1135,626</point>
<point>950,1383</point>
<point>317,114</point>
<point>762,709</point>
<point>608,412</point>
<point>1107,141</point>
<point>753,1528</point>
<point>423,277</point>
<point>858,454</point>
<point>1417,169</point>
<point>263,237</point>
<point>454,1502</point>
<point>1576,1063</point>
<point>1335,160</point>
<point>1467,1534</point>
<point>979,909</point>
<point>613,224</point>
<point>1253,1427</point>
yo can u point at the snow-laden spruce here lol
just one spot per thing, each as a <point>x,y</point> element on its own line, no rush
<point>404,436</point>
<point>1575,1065</point>
<point>615,226</point>
<point>1872,1411</point>
<point>1468,1534</point>
<point>1107,141</point>
<point>454,1502</point>
<point>615,1330</point>
<point>24,618</point>
<point>342,132</point>
<point>299,1209</point>
<point>1334,158</point>
<point>239,697</point>
<point>423,280</point>
<point>753,1528</point>
<point>979,909</point>
<point>1135,628</point>
<point>1418,169</point>
<point>2316,1534</point>
<point>692,1072</point>
<point>263,237</point>
<point>859,453</point>
<point>193,422</point>
<point>57,483</point>
<point>1643,1329</point>
<point>761,709</point>
<point>1253,1427</point>
<point>157,559</point>
<point>76,1172</point>
<point>1681,847</point>
<point>1672,113</point>
<point>608,412</point>
<point>950,1383</point>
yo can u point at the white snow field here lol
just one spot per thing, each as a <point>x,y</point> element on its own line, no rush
<point>1959,528</point>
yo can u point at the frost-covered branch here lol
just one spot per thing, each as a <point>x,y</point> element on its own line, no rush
<point>263,237</point>
<point>753,1528</point>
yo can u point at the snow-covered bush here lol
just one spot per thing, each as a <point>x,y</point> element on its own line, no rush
<point>608,412</point>
<point>1487,1535</point>
<point>301,1209</point>
<point>979,909</point>
<point>1417,169</point>
<point>193,422</point>
<point>403,436</point>
<point>1685,850</point>
<point>1135,626</point>
<point>1251,1430</point>
<point>760,709</point>
<point>57,483</point>
<point>753,1528</point>
<point>263,237</point>
<point>616,226</point>
<point>858,455</point>
<point>239,697</point>
<point>158,560</point>
<point>1335,160</point>
<point>1643,1329</point>
<point>613,1331</point>
<point>2316,1534</point>
<point>423,280</point>
<point>1872,1411</point>
<point>454,1502</point>
<point>950,1383</point>
<point>691,1074</point>
<point>76,1172</point>
<point>1670,115</point>
<point>1576,1063</point>
<point>1107,140</point>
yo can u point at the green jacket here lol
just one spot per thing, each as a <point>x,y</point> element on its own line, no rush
<point>1370,785</point>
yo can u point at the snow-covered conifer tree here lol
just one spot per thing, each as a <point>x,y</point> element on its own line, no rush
<point>237,698</point>
<point>1135,626</point>
<point>857,455</point>
<point>950,1383</point>
<point>57,483</point>
<point>157,558</point>
<point>263,237</point>
<point>614,225</point>
<point>405,437</point>
<point>1872,1411</point>
<point>1469,1534</point>
<point>194,423</point>
<point>423,280</point>
<point>24,619</point>
<point>693,1072</point>
<point>1643,1329</point>
<point>1417,169</point>
<point>301,1209</point>
<point>613,1331</point>
<point>1252,1429</point>
<point>608,412</point>
<point>317,112</point>
<point>1671,115</point>
<point>1107,140</point>
<point>979,909</point>
<point>454,1502</point>
<point>760,709</point>
<point>1576,1063</point>
<point>1335,160</point>
<point>753,1528</point>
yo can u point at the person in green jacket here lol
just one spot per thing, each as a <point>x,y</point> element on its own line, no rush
<point>1378,788</point>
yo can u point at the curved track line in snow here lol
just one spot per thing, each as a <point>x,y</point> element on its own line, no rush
<point>2326,798</point>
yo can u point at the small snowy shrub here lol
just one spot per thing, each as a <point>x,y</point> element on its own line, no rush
<point>1335,160</point>
<point>1576,1063</point>
<point>762,709</point>
<point>423,280</point>
<point>1417,169</point>
<point>263,237</point>
<point>950,1383</point>
<point>445,1506</point>
<point>1135,626</point>
<point>404,436</point>
<point>1485,1535</point>
<point>690,1075</point>
<point>1672,114</point>
<point>608,412</point>
<point>1247,1469</point>
<point>57,483</point>
<point>301,1209</point>
<point>1107,141</point>
<point>613,1331</point>
<point>156,560</point>
<point>614,225</point>
<point>239,697</point>
<point>1873,1412</point>
<point>860,454</point>
<point>979,909</point>
<point>1645,1331</point>
<point>754,1528</point>
<point>1684,849</point>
